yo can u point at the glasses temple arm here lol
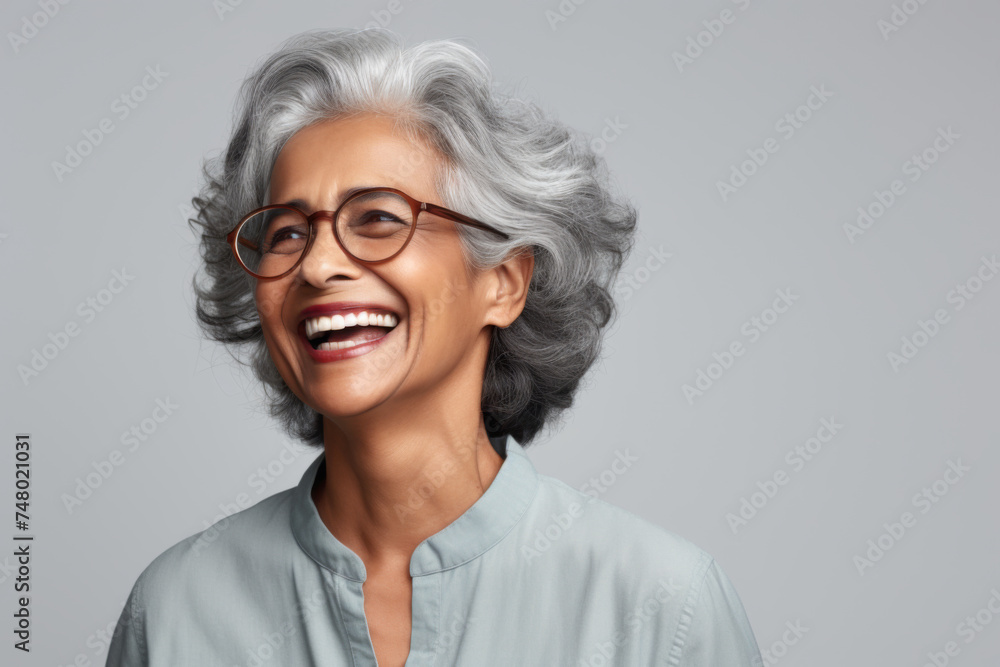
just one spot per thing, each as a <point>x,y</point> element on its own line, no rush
<point>458,217</point>
<point>464,219</point>
<point>249,244</point>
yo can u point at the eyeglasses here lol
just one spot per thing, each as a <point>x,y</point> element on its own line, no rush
<point>373,225</point>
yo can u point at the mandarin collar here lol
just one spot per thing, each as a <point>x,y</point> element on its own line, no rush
<point>469,536</point>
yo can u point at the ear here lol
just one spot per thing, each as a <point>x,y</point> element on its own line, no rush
<point>509,287</point>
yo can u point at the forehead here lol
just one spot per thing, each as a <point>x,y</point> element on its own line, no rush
<point>323,160</point>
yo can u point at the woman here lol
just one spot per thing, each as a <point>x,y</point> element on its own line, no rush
<point>422,273</point>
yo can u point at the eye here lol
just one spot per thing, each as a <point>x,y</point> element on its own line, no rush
<point>288,239</point>
<point>376,215</point>
<point>287,233</point>
<point>372,217</point>
<point>377,223</point>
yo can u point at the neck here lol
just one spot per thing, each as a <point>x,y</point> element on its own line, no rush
<point>392,485</point>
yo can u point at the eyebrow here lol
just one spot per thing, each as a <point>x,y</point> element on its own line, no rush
<point>302,204</point>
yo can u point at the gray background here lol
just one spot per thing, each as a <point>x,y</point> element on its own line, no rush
<point>680,131</point>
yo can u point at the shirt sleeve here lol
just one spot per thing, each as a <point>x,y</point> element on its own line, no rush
<point>718,633</point>
<point>128,643</point>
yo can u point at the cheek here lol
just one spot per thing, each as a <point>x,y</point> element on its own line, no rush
<point>450,319</point>
<point>268,302</point>
<point>437,301</point>
<point>264,298</point>
<point>449,304</point>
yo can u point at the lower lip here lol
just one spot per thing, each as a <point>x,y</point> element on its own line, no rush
<point>325,356</point>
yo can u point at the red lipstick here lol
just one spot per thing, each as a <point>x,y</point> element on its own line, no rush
<point>342,308</point>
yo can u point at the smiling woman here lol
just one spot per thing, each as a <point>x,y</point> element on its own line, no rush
<point>420,270</point>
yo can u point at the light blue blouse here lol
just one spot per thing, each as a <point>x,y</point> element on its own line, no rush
<point>533,573</point>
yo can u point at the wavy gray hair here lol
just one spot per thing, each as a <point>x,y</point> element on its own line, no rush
<point>506,162</point>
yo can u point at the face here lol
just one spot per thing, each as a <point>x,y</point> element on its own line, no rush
<point>442,312</point>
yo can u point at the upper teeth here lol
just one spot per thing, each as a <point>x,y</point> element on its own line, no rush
<point>318,325</point>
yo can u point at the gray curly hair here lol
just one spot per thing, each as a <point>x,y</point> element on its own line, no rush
<point>506,162</point>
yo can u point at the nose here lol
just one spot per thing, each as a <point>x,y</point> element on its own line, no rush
<point>325,260</point>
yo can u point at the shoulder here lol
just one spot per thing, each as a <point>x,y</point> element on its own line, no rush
<point>714,628</point>
<point>616,534</point>
<point>658,571</point>
<point>221,554</point>
<point>206,572</point>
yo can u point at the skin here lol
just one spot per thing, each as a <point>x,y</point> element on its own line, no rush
<point>408,411</point>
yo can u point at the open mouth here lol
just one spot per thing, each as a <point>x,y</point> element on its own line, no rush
<point>337,332</point>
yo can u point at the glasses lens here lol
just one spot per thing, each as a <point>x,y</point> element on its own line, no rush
<point>271,241</point>
<point>375,225</point>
